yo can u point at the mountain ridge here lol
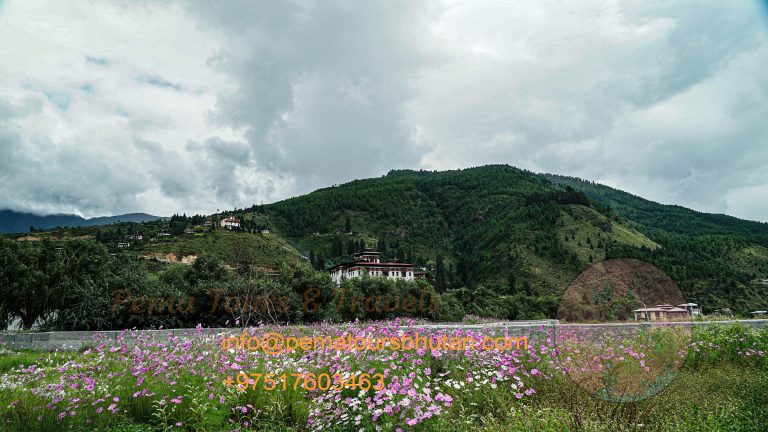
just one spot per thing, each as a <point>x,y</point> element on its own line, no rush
<point>12,221</point>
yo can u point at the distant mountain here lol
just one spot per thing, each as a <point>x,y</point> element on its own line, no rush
<point>18,222</point>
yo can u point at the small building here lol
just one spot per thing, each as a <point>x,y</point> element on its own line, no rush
<point>265,231</point>
<point>759,313</point>
<point>136,237</point>
<point>189,231</point>
<point>208,223</point>
<point>763,281</point>
<point>230,223</point>
<point>369,262</point>
<point>693,309</point>
<point>662,312</point>
<point>163,234</point>
<point>123,245</point>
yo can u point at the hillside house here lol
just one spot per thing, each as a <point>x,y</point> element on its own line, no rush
<point>369,261</point>
<point>123,245</point>
<point>230,223</point>
<point>666,312</point>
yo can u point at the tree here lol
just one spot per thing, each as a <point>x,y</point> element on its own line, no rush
<point>348,225</point>
<point>527,288</point>
<point>440,274</point>
<point>25,291</point>
<point>511,283</point>
<point>382,246</point>
<point>337,248</point>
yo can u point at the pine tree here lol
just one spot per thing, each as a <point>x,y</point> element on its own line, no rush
<point>348,225</point>
<point>511,283</point>
<point>337,248</point>
<point>527,288</point>
<point>382,247</point>
<point>350,247</point>
<point>440,274</point>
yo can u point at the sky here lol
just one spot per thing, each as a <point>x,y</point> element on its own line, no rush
<point>192,106</point>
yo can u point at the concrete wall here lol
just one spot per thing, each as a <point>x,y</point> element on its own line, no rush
<point>77,340</point>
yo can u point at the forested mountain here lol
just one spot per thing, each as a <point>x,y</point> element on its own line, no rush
<point>508,231</point>
<point>19,222</point>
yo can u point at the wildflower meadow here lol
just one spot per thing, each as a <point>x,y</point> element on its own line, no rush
<point>710,377</point>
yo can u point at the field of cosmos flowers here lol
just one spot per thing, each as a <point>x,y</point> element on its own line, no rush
<point>711,377</point>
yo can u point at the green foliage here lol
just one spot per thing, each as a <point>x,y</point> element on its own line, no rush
<point>713,258</point>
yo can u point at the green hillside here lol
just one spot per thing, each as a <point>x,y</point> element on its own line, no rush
<point>230,247</point>
<point>715,259</point>
<point>669,218</point>
<point>233,248</point>
<point>496,226</point>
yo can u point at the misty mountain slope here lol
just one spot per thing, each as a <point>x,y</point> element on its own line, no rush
<point>19,222</point>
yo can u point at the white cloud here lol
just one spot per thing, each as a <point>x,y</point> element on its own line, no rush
<point>192,106</point>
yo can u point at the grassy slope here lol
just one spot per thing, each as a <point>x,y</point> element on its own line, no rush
<point>228,246</point>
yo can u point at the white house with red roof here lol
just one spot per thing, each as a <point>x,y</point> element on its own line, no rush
<point>230,222</point>
<point>369,261</point>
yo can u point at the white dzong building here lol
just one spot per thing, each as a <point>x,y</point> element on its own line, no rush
<point>369,261</point>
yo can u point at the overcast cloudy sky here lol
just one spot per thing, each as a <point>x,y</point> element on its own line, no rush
<point>185,106</point>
